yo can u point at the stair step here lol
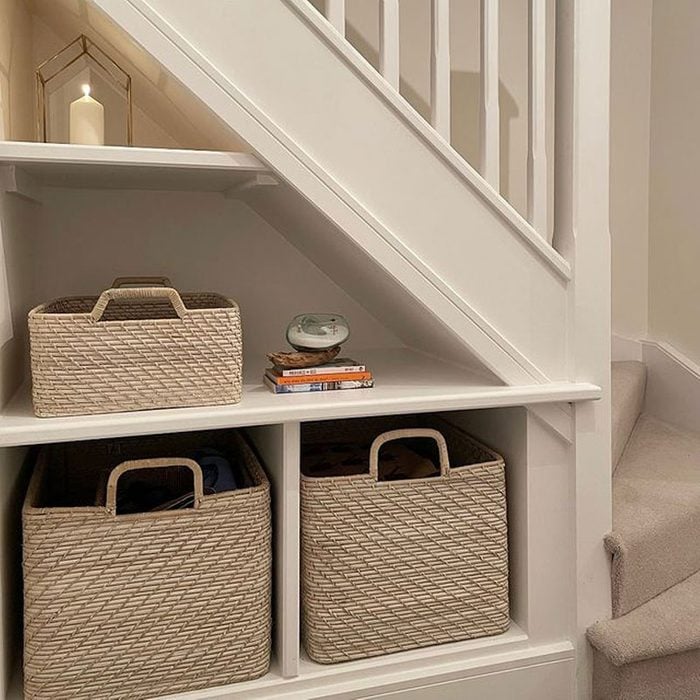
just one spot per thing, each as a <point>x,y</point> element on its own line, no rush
<point>653,652</point>
<point>628,385</point>
<point>656,513</point>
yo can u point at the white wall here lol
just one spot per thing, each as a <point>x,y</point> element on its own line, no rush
<point>202,241</point>
<point>629,165</point>
<point>674,225</point>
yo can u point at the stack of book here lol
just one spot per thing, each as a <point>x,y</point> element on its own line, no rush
<point>341,373</point>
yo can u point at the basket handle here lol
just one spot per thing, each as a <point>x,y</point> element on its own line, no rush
<point>391,435</point>
<point>161,463</point>
<point>157,281</point>
<point>138,293</point>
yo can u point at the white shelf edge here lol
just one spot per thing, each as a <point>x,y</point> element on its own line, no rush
<point>18,152</point>
<point>381,674</point>
<point>18,426</point>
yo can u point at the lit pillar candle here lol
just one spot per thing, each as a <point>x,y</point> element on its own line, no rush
<point>87,120</point>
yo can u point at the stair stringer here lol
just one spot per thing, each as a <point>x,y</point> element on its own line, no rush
<point>509,306</point>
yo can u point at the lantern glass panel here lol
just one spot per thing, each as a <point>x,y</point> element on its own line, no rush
<point>61,81</point>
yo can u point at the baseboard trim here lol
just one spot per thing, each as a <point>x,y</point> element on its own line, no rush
<point>673,380</point>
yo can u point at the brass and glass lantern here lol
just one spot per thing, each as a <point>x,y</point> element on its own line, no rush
<point>84,96</point>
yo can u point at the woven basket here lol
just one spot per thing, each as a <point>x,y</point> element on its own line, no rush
<point>134,348</point>
<point>394,565</point>
<point>142,605</point>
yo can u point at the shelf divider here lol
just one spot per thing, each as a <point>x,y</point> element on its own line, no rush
<point>279,448</point>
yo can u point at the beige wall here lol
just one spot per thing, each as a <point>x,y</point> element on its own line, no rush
<point>16,71</point>
<point>629,165</point>
<point>674,223</point>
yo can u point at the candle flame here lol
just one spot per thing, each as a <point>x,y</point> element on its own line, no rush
<point>86,90</point>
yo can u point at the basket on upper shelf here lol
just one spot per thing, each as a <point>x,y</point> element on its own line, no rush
<point>135,348</point>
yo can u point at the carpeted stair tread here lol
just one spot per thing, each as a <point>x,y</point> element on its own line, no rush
<point>628,385</point>
<point>656,513</point>
<point>668,624</point>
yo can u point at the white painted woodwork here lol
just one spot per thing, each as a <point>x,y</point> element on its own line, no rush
<point>389,55</point>
<point>541,118</point>
<point>550,680</point>
<point>405,382</point>
<point>335,14</point>
<point>440,68</point>
<point>278,446</point>
<point>117,167</point>
<point>582,228</point>
<point>341,166</point>
<point>490,115</point>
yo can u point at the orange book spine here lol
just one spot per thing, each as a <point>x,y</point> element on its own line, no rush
<point>319,378</point>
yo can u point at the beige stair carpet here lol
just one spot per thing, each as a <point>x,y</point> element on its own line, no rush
<point>674,677</point>
<point>655,540</point>
<point>628,386</point>
<point>653,652</point>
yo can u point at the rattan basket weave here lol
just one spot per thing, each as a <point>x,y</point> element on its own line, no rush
<point>134,348</point>
<point>142,605</point>
<point>394,565</point>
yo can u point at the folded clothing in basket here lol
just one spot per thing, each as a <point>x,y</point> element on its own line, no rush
<point>396,461</point>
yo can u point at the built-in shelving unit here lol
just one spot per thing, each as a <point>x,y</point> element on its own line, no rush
<point>80,215</point>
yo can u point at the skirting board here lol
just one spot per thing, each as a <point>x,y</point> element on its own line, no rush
<point>673,381</point>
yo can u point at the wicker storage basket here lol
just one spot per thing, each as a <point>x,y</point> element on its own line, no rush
<point>394,565</point>
<point>143,605</point>
<point>134,348</point>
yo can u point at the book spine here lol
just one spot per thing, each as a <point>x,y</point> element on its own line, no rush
<point>313,371</point>
<point>330,377</point>
<point>316,386</point>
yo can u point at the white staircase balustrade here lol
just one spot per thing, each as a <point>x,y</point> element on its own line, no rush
<point>389,57</point>
<point>440,106</point>
<point>490,112</point>
<point>541,32</point>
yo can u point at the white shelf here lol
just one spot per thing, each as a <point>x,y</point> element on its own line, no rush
<point>133,168</point>
<point>406,382</point>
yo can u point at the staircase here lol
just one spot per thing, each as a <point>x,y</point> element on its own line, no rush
<point>379,200</point>
<point>650,650</point>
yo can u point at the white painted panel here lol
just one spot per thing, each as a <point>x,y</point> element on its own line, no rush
<point>490,114</point>
<point>506,432</point>
<point>551,681</point>
<point>279,445</point>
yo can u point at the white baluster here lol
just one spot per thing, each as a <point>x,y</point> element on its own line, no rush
<point>541,98</point>
<point>490,123</point>
<point>440,68</point>
<point>389,41</point>
<point>335,14</point>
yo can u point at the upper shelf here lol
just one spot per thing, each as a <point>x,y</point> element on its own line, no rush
<point>406,382</point>
<point>122,167</point>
